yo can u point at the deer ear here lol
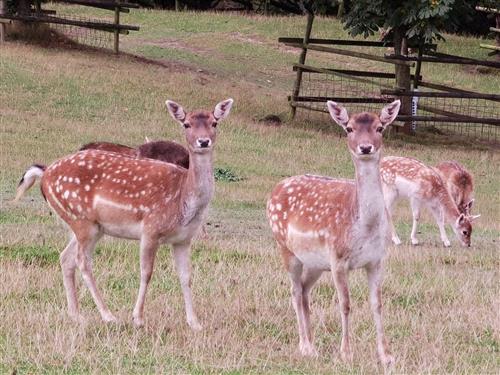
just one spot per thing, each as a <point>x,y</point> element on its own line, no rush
<point>461,219</point>
<point>176,111</point>
<point>468,206</point>
<point>222,109</point>
<point>338,113</point>
<point>389,112</point>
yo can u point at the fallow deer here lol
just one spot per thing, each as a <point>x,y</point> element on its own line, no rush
<point>98,192</point>
<point>111,147</point>
<point>460,184</point>
<point>167,151</point>
<point>409,178</point>
<point>325,224</point>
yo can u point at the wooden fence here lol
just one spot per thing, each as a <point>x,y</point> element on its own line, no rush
<point>441,103</point>
<point>39,15</point>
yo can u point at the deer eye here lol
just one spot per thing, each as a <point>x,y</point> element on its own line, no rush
<point>186,125</point>
<point>465,233</point>
<point>380,129</point>
<point>349,130</point>
<point>214,124</point>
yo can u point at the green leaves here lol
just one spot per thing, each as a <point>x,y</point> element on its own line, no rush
<point>419,19</point>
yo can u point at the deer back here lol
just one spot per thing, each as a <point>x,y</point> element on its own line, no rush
<point>459,183</point>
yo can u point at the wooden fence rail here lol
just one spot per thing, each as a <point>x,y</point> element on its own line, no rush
<point>48,16</point>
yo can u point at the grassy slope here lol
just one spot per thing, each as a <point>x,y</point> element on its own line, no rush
<point>440,304</point>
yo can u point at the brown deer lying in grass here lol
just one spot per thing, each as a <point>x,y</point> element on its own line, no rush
<point>460,184</point>
<point>167,151</point>
<point>325,224</point>
<point>423,186</point>
<point>98,192</point>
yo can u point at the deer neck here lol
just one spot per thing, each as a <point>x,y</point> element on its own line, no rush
<point>450,209</point>
<point>369,196</point>
<point>199,186</point>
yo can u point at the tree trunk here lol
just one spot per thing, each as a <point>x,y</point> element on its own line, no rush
<point>341,10</point>
<point>403,78</point>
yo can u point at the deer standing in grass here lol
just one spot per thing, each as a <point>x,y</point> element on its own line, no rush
<point>460,184</point>
<point>422,185</point>
<point>98,192</point>
<point>167,151</point>
<point>324,224</point>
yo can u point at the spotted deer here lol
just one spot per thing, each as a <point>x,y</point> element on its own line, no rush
<point>167,151</point>
<point>411,179</point>
<point>97,192</point>
<point>460,184</point>
<point>326,224</point>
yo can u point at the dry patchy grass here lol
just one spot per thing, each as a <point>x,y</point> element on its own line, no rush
<point>441,305</point>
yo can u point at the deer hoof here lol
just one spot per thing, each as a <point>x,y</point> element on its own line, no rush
<point>346,355</point>
<point>195,325</point>
<point>396,241</point>
<point>446,243</point>
<point>387,360</point>
<point>308,350</point>
<point>109,318</point>
<point>138,322</point>
<point>414,242</point>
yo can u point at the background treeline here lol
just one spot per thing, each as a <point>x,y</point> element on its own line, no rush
<point>465,18</point>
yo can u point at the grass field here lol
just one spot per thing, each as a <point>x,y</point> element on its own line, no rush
<point>441,305</point>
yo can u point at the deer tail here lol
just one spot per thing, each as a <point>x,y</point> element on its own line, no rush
<point>29,178</point>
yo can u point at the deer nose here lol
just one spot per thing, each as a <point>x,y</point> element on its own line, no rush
<point>204,142</point>
<point>365,149</point>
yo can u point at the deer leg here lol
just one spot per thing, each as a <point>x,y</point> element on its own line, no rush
<point>415,208</point>
<point>183,266</point>
<point>374,275</point>
<point>86,245</point>
<point>295,268</point>
<point>340,279</point>
<point>148,251</point>
<point>308,280</point>
<point>438,214</point>
<point>67,259</point>
<point>390,198</point>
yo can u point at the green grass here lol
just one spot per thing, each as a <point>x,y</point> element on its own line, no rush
<point>440,304</point>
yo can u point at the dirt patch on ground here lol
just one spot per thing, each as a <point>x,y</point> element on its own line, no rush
<point>174,44</point>
<point>259,40</point>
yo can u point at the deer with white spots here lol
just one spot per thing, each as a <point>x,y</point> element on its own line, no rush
<point>98,192</point>
<point>409,178</point>
<point>460,184</point>
<point>325,224</point>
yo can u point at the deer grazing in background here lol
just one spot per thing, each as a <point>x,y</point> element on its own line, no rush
<point>409,178</point>
<point>167,151</point>
<point>324,224</point>
<point>98,192</point>
<point>460,184</point>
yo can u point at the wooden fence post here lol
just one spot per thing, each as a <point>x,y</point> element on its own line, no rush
<point>403,77</point>
<point>117,31</point>
<point>302,60</point>
<point>3,8</point>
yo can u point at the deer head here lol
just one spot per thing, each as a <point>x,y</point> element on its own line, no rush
<point>200,126</point>
<point>463,228</point>
<point>364,130</point>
